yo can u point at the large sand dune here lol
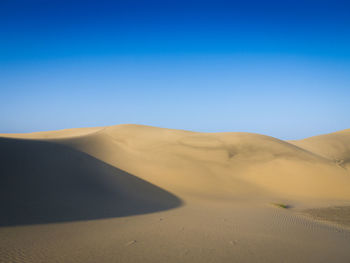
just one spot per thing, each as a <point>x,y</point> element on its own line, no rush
<point>172,195</point>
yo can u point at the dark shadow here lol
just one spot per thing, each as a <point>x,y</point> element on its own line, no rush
<point>44,182</point>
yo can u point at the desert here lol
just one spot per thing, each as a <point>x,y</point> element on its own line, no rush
<point>136,193</point>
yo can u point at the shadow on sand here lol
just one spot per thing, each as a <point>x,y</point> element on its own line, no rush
<point>44,182</point>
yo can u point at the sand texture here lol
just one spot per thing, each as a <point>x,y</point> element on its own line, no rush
<point>133,193</point>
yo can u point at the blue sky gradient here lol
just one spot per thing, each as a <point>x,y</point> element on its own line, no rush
<point>280,68</point>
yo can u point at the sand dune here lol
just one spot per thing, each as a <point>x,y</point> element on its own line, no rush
<point>334,146</point>
<point>172,195</point>
<point>221,164</point>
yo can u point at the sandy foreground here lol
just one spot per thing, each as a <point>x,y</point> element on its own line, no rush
<point>133,193</point>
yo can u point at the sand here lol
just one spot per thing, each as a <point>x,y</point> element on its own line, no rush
<point>133,193</point>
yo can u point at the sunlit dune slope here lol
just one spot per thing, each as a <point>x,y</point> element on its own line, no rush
<point>66,133</point>
<point>334,146</point>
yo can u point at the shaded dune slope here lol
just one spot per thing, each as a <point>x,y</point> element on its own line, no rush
<point>44,182</point>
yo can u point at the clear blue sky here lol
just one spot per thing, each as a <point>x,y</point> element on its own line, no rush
<point>280,68</point>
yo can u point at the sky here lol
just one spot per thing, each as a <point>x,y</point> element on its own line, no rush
<point>280,68</point>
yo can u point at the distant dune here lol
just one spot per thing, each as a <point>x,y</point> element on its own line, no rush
<point>334,146</point>
<point>133,193</point>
